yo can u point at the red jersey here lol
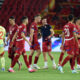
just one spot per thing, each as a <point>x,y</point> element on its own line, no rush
<point>12,31</point>
<point>69,28</point>
<point>77,28</point>
<point>21,28</point>
<point>34,26</point>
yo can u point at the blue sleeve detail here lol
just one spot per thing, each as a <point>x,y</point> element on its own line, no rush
<point>74,31</point>
<point>77,33</point>
<point>23,32</point>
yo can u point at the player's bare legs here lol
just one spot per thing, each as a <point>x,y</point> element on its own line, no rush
<point>30,57</point>
<point>45,60</point>
<point>20,64</point>
<point>52,59</point>
<point>36,59</point>
<point>45,56</point>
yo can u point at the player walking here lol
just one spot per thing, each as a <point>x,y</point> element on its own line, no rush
<point>34,42</point>
<point>69,44</point>
<point>12,31</point>
<point>47,32</point>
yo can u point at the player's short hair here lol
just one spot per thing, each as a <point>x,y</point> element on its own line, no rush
<point>70,17</point>
<point>23,18</point>
<point>12,17</point>
<point>36,16</point>
<point>44,18</point>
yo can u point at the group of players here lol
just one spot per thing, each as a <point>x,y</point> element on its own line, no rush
<point>17,37</point>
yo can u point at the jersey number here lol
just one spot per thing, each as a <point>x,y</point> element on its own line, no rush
<point>1,35</point>
<point>67,32</point>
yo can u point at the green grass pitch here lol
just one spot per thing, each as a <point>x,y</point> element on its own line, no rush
<point>48,74</point>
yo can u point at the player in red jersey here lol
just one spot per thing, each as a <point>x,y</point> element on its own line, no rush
<point>20,36</point>
<point>77,27</point>
<point>77,22</point>
<point>77,51</point>
<point>34,42</point>
<point>69,44</point>
<point>12,31</point>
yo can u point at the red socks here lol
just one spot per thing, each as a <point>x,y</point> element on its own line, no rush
<point>61,57</point>
<point>66,60</point>
<point>36,60</point>
<point>78,60</point>
<point>15,60</point>
<point>30,60</point>
<point>26,61</point>
<point>72,63</point>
